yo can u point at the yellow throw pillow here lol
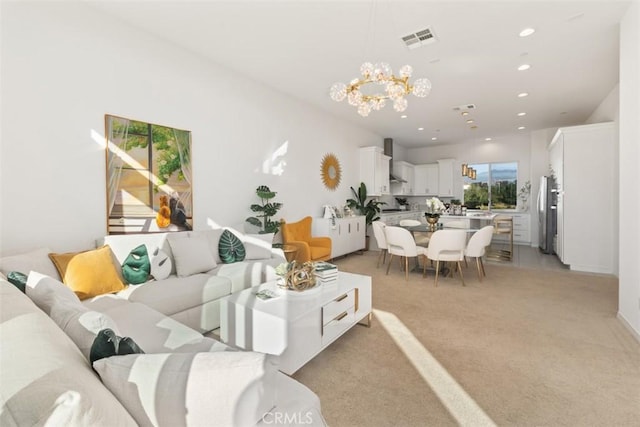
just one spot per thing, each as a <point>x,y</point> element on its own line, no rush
<point>89,273</point>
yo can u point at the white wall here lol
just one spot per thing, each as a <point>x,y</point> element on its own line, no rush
<point>629,274</point>
<point>64,66</point>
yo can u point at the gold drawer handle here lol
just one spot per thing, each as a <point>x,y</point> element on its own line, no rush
<point>340,317</point>
<point>340,298</point>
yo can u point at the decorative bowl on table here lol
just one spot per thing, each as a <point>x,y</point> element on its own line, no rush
<point>432,220</point>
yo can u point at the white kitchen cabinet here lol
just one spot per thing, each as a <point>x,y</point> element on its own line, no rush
<point>445,178</point>
<point>404,171</point>
<point>374,170</point>
<point>583,161</point>
<point>425,178</point>
<point>347,235</point>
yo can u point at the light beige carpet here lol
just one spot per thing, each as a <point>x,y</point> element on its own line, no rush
<point>522,348</point>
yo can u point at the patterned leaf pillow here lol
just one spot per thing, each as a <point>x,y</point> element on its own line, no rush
<point>137,267</point>
<point>230,248</point>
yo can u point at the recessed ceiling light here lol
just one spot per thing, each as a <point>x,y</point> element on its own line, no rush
<point>521,127</point>
<point>523,94</point>
<point>522,114</point>
<point>420,128</point>
<point>434,139</point>
<point>524,67</point>
<point>487,139</point>
<point>527,32</point>
<point>404,116</point>
<point>465,113</point>
<point>470,121</point>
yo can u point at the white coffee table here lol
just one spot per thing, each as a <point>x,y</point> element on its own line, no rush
<point>295,326</point>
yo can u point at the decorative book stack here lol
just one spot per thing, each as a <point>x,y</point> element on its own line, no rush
<point>326,273</point>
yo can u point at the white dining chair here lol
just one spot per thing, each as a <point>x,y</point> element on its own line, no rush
<point>400,242</point>
<point>477,247</point>
<point>447,245</point>
<point>381,240</point>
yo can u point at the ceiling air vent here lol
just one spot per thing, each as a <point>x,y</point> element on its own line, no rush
<point>465,107</point>
<point>419,38</point>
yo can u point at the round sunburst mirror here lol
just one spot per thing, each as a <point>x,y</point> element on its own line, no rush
<point>330,171</point>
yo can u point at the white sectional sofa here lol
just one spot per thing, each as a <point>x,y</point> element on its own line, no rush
<point>183,377</point>
<point>193,299</point>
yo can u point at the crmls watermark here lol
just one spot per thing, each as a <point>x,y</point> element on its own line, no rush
<point>298,418</point>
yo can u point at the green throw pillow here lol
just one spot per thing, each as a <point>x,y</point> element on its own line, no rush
<point>137,267</point>
<point>230,248</point>
<point>18,279</point>
<point>108,344</point>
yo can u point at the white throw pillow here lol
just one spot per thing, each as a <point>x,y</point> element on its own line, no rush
<point>257,246</point>
<point>46,291</point>
<point>160,264</point>
<point>192,255</point>
<point>192,389</point>
<point>213,237</point>
<point>65,309</point>
<point>36,260</point>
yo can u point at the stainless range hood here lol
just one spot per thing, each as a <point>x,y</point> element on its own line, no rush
<point>388,151</point>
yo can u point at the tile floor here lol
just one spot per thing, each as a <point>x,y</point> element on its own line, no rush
<point>526,256</point>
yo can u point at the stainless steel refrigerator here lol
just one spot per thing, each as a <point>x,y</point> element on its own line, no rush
<point>547,214</point>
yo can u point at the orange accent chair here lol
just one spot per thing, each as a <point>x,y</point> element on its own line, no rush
<point>310,248</point>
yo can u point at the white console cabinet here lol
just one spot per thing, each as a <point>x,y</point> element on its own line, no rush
<point>348,234</point>
<point>374,170</point>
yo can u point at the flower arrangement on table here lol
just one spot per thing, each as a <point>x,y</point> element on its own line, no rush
<point>297,276</point>
<point>434,207</point>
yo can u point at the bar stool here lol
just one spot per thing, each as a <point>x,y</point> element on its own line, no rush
<point>503,225</point>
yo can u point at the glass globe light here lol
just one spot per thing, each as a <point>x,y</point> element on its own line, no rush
<point>406,71</point>
<point>366,70</point>
<point>400,104</point>
<point>354,98</point>
<point>378,104</point>
<point>364,109</point>
<point>338,92</point>
<point>421,87</point>
<point>395,90</point>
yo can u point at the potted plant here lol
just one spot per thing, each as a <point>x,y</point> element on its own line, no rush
<point>402,203</point>
<point>370,209</point>
<point>266,211</point>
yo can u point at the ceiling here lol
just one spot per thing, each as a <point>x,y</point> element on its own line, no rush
<point>302,47</point>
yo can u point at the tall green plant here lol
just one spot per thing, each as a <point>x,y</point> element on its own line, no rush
<point>370,209</point>
<point>266,211</point>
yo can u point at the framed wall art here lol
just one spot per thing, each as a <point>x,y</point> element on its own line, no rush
<point>148,177</point>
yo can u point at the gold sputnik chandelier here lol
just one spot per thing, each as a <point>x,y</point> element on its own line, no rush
<point>394,88</point>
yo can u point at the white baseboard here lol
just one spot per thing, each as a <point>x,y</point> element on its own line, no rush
<point>627,325</point>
